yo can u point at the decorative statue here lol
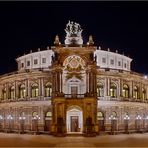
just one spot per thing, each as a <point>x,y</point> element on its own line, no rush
<point>73,33</point>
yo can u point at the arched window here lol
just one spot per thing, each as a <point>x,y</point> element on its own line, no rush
<point>113,115</point>
<point>35,90</point>
<point>126,116</point>
<point>48,90</point>
<point>100,116</point>
<point>4,96</point>
<point>135,92</point>
<point>48,116</point>
<point>113,90</point>
<point>22,91</point>
<point>22,116</point>
<point>34,114</point>
<point>12,92</point>
<point>125,91</point>
<point>143,94</point>
<point>100,90</point>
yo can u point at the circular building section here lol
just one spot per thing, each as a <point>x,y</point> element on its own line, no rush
<point>73,88</point>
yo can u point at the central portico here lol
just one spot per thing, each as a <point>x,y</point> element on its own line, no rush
<point>74,84</point>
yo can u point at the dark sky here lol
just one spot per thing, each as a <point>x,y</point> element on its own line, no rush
<point>121,26</point>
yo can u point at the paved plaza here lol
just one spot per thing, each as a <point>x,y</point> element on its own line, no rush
<point>15,140</point>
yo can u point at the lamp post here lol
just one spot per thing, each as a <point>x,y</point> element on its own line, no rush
<point>126,121</point>
<point>22,121</point>
<point>138,119</point>
<point>36,118</point>
<point>1,118</point>
<point>113,120</point>
<point>9,118</point>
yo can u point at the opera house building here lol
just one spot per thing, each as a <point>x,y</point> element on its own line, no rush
<point>73,87</point>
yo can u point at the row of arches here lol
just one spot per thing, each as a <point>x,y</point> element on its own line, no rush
<point>9,121</point>
<point>22,91</point>
<point>129,122</point>
<point>125,91</point>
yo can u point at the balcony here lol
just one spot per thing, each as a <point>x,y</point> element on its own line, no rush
<point>74,96</point>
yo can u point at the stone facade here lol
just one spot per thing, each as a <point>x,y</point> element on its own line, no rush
<point>71,88</point>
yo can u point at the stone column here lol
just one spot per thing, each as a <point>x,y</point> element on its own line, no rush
<point>87,86</point>
<point>118,89</point>
<point>105,87</point>
<point>108,86</point>
<point>7,91</point>
<point>42,86</point>
<point>61,84</point>
<point>131,89</point>
<point>53,82</point>
<point>26,88</point>
<point>140,92</point>
<point>29,89</point>
<point>40,89</point>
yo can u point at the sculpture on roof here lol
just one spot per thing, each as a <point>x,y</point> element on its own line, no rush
<point>73,33</point>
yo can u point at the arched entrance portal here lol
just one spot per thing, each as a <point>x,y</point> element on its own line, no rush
<point>74,119</point>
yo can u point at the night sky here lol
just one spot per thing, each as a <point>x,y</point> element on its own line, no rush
<point>26,26</point>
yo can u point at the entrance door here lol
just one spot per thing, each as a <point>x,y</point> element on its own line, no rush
<point>74,90</point>
<point>74,123</point>
<point>74,119</point>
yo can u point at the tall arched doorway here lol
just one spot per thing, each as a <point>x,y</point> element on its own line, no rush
<point>74,119</point>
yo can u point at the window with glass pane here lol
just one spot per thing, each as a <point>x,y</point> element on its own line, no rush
<point>4,94</point>
<point>35,90</point>
<point>143,94</point>
<point>28,63</point>
<point>112,62</point>
<point>113,90</point>
<point>119,63</point>
<point>135,92</point>
<point>22,91</point>
<point>103,60</point>
<point>12,92</point>
<point>43,60</point>
<point>35,61</point>
<point>48,90</point>
<point>125,91</point>
<point>100,90</point>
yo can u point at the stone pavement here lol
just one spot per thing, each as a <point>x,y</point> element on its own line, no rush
<point>16,140</point>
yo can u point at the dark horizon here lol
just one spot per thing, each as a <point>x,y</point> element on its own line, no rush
<point>28,26</point>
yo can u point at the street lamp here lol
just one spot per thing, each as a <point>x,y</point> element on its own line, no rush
<point>9,118</point>
<point>36,118</point>
<point>1,118</point>
<point>126,121</point>
<point>22,121</point>
<point>113,123</point>
<point>138,119</point>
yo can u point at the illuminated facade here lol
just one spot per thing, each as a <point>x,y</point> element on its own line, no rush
<point>73,88</point>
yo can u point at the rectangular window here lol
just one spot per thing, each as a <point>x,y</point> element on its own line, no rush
<point>22,65</point>
<point>124,65</point>
<point>43,60</point>
<point>112,62</point>
<point>35,61</point>
<point>28,63</point>
<point>119,63</point>
<point>103,60</point>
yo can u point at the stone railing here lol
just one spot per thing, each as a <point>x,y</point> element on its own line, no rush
<point>74,96</point>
